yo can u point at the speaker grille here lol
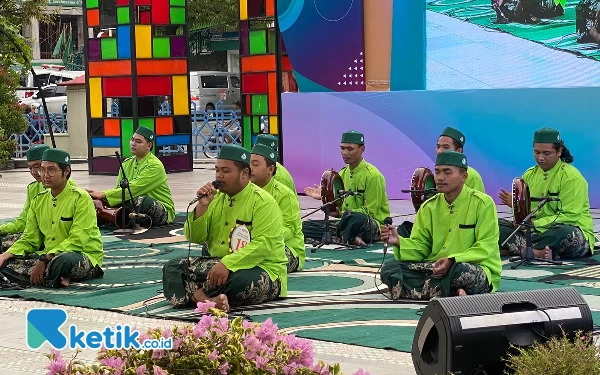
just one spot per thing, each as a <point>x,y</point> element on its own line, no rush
<point>492,303</point>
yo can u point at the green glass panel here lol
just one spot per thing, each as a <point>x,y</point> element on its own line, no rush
<point>260,105</point>
<point>123,15</point>
<point>258,42</point>
<point>178,2</point>
<point>271,39</point>
<point>247,133</point>
<point>126,134</point>
<point>255,124</point>
<point>161,47</point>
<point>177,16</point>
<point>91,3</point>
<point>109,48</point>
<point>147,122</point>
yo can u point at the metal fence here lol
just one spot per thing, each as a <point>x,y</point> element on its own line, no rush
<point>210,129</point>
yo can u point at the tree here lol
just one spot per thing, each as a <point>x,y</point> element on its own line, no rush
<point>14,14</point>
<point>209,13</point>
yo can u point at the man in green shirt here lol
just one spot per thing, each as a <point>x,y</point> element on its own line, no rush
<point>364,212</point>
<point>10,232</point>
<point>453,247</point>
<point>243,260</point>
<point>282,175</point>
<point>147,182</point>
<point>62,218</point>
<point>263,164</point>
<point>564,228</point>
<point>453,140</point>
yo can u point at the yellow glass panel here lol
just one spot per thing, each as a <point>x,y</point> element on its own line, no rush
<point>96,97</point>
<point>181,102</point>
<point>243,10</point>
<point>143,41</point>
<point>273,129</point>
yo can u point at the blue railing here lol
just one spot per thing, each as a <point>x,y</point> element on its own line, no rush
<point>210,129</point>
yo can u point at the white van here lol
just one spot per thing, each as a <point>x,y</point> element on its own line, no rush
<point>47,75</point>
<point>207,88</point>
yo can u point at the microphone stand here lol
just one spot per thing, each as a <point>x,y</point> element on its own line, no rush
<point>327,239</point>
<point>529,259</point>
<point>124,184</point>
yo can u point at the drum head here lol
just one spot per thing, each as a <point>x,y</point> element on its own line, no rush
<point>331,184</point>
<point>521,202</point>
<point>422,179</point>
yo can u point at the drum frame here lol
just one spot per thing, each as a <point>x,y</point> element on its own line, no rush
<point>331,184</point>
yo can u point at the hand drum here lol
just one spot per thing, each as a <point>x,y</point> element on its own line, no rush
<point>331,184</point>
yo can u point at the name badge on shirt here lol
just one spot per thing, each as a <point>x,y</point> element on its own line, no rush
<point>238,238</point>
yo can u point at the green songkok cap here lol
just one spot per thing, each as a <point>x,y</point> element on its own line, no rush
<point>36,152</point>
<point>267,140</point>
<point>235,153</point>
<point>265,151</point>
<point>453,158</point>
<point>455,134</point>
<point>546,135</point>
<point>353,137</point>
<point>57,155</point>
<point>146,133</point>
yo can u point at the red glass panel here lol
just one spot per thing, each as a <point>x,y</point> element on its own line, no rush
<point>117,87</point>
<point>286,65</point>
<point>141,2</point>
<point>270,5</point>
<point>122,2</point>
<point>164,125</point>
<point>93,17</point>
<point>112,127</point>
<point>254,83</point>
<point>154,86</point>
<point>272,93</point>
<point>145,17</point>
<point>160,12</point>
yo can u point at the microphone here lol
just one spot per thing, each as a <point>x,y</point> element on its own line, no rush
<point>386,221</point>
<point>133,215</point>
<point>548,199</point>
<point>420,191</point>
<point>216,184</point>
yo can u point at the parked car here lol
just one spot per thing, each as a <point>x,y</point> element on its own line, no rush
<point>47,75</point>
<point>55,96</point>
<point>207,88</point>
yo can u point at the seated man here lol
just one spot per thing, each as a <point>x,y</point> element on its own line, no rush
<point>453,248</point>
<point>587,21</point>
<point>527,11</point>
<point>10,232</point>
<point>282,175</point>
<point>362,213</point>
<point>453,140</point>
<point>242,227</point>
<point>147,181</point>
<point>62,218</point>
<point>561,229</point>
<point>264,170</point>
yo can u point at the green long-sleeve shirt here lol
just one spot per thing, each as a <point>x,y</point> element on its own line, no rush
<point>467,230</point>
<point>367,180</point>
<point>65,223</point>
<point>292,224</point>
<point>474,180</point>
<point>18,225</point>
<point>147,177</point>
<point>566,182</point>
<point>256,209</point>
<point>285,178</point>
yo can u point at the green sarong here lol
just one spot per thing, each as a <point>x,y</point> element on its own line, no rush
<point>351,225</point>
<point>74,266</point>
<point>152,208</point>
<point>565,241</point>
<point>244,287</point>
<point>415,280</point>
<point>293,262</point>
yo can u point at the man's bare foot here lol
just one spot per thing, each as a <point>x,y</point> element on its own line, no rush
<point>65,281</point>
<point>221,301</point>
<point>359,242</point>
<point>461,292</point>
<point>545,253</point>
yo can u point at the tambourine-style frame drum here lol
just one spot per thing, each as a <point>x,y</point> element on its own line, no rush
<point>521,200</point>
<point>106,215</point>
<point>422,184</point>
<point>331,184</point>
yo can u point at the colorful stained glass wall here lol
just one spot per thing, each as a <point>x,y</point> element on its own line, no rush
<point>137,74</point>
<point>261,85</point>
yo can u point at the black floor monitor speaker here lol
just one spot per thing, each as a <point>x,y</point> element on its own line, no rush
<point>472,334</point>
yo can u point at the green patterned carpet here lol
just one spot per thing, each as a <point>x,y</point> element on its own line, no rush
<point>333,299</point>
<point>557,32</point>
